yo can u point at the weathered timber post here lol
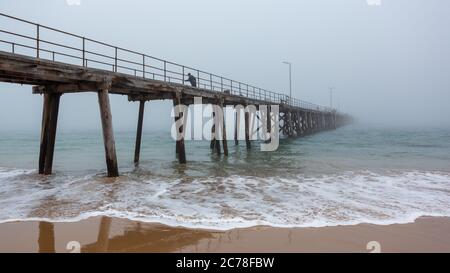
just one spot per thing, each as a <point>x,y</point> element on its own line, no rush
<point>321,119</point>
<point>334,120</point>
<point>247,129</point>
<point>54,109</point>
<point>108,134</point>
<point>48,131</point>
<point>213,135</point>
<point>237,121</point>
<point>215,142</point>
<point>44,132</point>
<point>294,123</point>
<point>269,124</point>
<point>304,126</point>
<point>308,121</point>
<point>319,123</point>
<point>285,128</point>
<point>316,121</point>
<point>176,118</point>
<point>290,125</point>
<point>292,118</point>
<point>329,121</point>
<point>224,131</point>
<point>137,149</point>
<point>180,150</point>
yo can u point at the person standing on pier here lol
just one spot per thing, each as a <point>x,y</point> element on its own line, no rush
<point>191,79</point>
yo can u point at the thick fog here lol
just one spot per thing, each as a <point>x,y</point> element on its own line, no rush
<point>389,63</point>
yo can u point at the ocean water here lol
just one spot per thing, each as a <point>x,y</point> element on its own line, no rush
<point>346,176</point>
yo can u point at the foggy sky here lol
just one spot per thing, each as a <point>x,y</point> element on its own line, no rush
<point>390,64</point>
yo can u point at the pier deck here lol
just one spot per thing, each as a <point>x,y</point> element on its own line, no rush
<point>55,68</point>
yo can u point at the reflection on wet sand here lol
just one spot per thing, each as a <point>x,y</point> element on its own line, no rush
<point>141,237</point>
<point>426,234</point>
<point>46,239</point>
<point>121,235</point>
<point>103,234</point>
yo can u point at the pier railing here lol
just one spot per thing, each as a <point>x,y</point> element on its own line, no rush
<point>24,37</point>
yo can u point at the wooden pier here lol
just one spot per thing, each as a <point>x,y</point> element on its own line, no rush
<point>149,79</point>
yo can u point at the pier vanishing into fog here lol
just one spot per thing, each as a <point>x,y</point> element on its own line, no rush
<point>69,63</point>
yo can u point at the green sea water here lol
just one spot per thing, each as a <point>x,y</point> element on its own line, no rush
<point>350,175</point>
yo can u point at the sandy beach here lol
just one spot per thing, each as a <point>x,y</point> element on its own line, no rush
<point>103,234</point>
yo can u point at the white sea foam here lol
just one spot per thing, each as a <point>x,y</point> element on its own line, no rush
<point>229,202</point>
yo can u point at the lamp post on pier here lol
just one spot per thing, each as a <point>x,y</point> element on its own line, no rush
<point>290,79</point>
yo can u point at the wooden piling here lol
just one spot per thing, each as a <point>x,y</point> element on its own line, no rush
<point>44,132</point>
<point>333,121</point>
<point>247,130</point>
<point>290,125</point>
<point>305,122</point>
<point>314,122</point>
<point>48,132</point>
<point>108,134</point>
<point>224,131</point>
<point>237,121</point>
<point>301,121</point>
<point>176,118</point>
<point>137,149</point>
<point>216,140</point>
<point>51,135</point>
<point>269,124</point>
<point>213,135</point>
<point>180,149</point>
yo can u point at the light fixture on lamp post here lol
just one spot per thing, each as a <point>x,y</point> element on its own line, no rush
<point>331,96</point>
<point>290,78</point>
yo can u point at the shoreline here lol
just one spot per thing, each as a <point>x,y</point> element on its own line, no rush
<point>105,234</point>
<point>225,226</point>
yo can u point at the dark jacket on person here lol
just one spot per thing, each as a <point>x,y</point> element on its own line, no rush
<point>192,80</point>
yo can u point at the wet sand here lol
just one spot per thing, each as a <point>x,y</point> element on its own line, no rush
<point>103,234</point>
